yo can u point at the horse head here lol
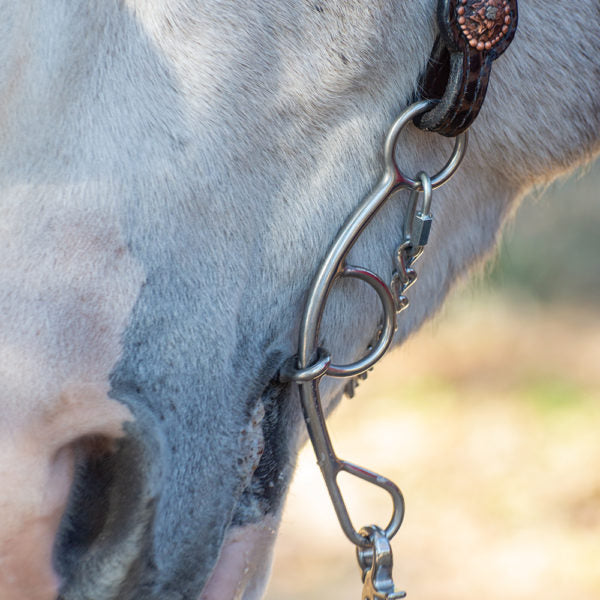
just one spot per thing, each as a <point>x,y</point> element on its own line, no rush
<point>172,174</point>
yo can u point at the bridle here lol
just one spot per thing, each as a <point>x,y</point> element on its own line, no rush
<point>473,33</point>
<point>374,552</point>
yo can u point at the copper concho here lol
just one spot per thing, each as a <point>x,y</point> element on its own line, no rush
<point>483,22</point>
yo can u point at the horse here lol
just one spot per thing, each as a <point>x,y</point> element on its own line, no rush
<point>172,174</point>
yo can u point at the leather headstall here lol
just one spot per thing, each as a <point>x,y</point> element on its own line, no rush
<point>472,34</point>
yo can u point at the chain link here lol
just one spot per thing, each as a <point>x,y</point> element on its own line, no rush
<point>417,226</point>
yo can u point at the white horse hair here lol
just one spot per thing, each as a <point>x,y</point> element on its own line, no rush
<point>171,174</point>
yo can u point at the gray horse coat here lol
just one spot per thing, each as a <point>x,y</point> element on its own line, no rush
<point>171,174</point>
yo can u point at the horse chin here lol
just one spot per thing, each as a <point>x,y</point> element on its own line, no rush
<point>244,564</point>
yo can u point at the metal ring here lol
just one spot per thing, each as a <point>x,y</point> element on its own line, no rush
<point>290,372</point>
<point>389,325</point>
<point>458,152</point>
<point>386,484</point>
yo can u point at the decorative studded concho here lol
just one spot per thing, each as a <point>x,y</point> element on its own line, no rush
<point>473,33</point>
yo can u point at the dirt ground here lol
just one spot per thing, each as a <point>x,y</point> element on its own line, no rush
<point>488,420</point>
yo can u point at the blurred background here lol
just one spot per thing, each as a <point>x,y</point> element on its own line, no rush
<point>489,421</point>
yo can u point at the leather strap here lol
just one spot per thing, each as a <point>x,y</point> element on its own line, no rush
<point>473,33</point>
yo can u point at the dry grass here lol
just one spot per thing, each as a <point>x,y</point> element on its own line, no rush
<point>488,420</point>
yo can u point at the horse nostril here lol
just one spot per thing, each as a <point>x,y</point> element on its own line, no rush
<point>105,537</point>
<point>88,502</point>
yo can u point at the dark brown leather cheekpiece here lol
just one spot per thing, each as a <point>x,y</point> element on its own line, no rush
<point>473,33</point>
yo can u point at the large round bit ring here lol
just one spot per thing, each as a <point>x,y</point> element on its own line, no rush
<point>403,180</point>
